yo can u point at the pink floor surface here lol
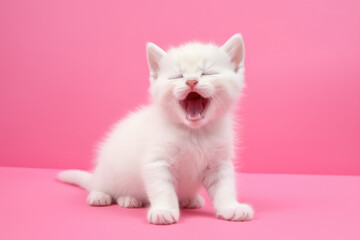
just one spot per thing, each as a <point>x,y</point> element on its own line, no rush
<point>36,206</point>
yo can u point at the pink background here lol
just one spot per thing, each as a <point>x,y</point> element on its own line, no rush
<point>70,69</point>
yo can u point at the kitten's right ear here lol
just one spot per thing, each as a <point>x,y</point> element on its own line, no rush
<point>154,55</point>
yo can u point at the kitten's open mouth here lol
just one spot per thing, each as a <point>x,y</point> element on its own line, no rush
<point>194,105</point>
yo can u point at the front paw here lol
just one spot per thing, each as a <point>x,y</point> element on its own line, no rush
<point>163,216</point>
<point>239,212</point>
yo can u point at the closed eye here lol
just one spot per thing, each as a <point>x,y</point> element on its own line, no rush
<point>208,73</point>
<point>176,76</point>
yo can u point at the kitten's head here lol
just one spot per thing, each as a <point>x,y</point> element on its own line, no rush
<point>197,83</point>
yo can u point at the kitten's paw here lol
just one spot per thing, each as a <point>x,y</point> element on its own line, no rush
<point>239,212</point>
<point>194,202</point>
<point>96,198</point>
<point>129,202</point>
<point>163,216</point>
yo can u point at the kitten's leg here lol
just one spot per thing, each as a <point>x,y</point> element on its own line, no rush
<point>196,201</point>
<point>129,202</point>
<point>96,198</point>
<point>162,196</point>
<point>220,183</point>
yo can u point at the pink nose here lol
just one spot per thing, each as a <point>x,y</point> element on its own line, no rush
<point>191,83</point>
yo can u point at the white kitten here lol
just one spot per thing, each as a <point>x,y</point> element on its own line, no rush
<point>165,152</point>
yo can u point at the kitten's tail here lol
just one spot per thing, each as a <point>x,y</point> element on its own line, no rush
<point>76,177</point>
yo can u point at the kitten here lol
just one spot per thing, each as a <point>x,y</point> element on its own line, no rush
<point>162,154</point>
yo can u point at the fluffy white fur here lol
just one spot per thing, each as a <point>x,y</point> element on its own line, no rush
<point>163,153</point>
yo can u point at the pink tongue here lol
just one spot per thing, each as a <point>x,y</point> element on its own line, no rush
<point>194,108</point>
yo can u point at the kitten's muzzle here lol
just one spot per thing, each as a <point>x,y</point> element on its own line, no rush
<point>194,106</point>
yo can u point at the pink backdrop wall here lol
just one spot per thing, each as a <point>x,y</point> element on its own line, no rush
<point>69,69</point>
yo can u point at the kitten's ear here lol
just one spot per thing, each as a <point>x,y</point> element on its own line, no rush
<point>235,48</point>
<point>154,55</point>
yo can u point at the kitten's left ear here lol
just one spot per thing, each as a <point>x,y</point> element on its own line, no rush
<point>154,55</point>
<point>235,48</point>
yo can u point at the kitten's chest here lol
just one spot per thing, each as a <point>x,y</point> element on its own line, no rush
<point>191,160</point>
<point>194,154</point>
